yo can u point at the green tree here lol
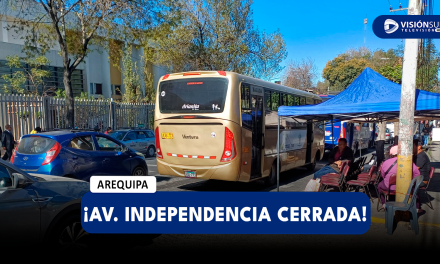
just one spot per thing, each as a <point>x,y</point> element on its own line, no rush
<point>28,77</point>
<point>428,66</point>
<point>218,35</point>
<point>342,70</point>
<point>75,25</point>
<point>323,87</point>
<point>132,81</point>
<point>392,72</point>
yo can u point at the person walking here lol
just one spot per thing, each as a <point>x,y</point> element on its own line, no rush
<point>425,134</point>
<point>8,142</point>
<point>108,131</point>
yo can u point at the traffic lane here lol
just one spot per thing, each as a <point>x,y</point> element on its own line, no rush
<point>293,180</point>
<point>288,178</point>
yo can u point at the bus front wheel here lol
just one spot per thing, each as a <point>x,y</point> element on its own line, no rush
<point>272,178</point>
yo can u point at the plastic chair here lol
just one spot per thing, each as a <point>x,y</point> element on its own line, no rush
<point>431,173</point>
<point>392,207</point>
<point>387,193</point>
<point>335,183</point>
<point>336,176</point>
<point>362,182</point>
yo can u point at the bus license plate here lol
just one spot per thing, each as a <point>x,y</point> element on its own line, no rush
<point>167,135</point>
<point>190,174</point>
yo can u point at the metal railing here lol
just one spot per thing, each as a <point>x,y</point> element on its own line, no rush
<point>25,112</point>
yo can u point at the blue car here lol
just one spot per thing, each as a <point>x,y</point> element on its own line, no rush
<point>77,155</point>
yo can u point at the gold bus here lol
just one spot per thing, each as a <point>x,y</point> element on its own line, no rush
<point>223,125</point>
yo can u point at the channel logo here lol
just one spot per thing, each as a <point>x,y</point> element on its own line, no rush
<point>390,26</point>
<point>407,27</point>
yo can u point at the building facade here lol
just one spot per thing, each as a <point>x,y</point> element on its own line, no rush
<point>95,75</point>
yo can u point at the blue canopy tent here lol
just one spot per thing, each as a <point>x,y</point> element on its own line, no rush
<point>369,98</point>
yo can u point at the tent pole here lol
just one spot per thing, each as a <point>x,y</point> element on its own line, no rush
<point>278,159</point>
<point>333,136</point>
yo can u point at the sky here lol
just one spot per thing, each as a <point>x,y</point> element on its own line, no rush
<point>321,30</point>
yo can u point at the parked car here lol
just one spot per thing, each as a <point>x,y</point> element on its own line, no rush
<point>142,140</point>
<point>77,154</point>
<point>38,209</point>
<point>390,126</point>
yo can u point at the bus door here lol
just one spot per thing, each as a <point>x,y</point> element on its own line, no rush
<point>309,142</point>
<point>257,135</point>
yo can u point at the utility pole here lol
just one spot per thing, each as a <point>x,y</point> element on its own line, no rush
<point>365,29</point>
<point>407,102</point>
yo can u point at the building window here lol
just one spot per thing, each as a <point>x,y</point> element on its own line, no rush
<point>118,90</point>
<point>98,88</point>
<point>53,82</point>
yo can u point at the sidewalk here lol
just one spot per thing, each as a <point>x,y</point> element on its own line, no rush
<point>430,217</point>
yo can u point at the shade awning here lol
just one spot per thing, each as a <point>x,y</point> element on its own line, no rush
<point>369,96</point>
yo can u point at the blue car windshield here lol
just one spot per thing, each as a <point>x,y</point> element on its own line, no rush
<point>119,135</point>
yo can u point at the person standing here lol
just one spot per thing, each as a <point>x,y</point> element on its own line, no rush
<point>425,133</point>
<point>108,131</point>
<point>8,142</point>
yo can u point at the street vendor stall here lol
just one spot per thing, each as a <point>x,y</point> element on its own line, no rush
<point>369,98</point>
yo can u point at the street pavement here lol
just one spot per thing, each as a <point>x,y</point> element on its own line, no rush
<point>295,181</point>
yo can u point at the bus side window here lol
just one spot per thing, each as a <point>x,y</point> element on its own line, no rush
<point>290,101</point>
<point>296,100</point>
<point>267,100</point>
<point>246,112</point>
<point>303,101</point>
<point>285,101</point>
<point>245,96</point>
<point>275,100</point>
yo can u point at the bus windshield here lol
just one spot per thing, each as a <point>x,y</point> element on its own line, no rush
<point>202,95</point>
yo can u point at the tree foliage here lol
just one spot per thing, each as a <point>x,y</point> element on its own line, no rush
<point>132,81</point>
<point>343,69</point>
<point>218,35</point>
<point>28,77</point>
<point>75,25</point>
<point>427,66</point>
<point>300,74</point>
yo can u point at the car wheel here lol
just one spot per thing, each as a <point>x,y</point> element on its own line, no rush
<point>151,151</point>
<point>139,171</point>
<point>70,236</point>
<point>272,178</point>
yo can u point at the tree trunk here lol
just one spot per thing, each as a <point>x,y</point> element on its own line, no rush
<point>70,102</point>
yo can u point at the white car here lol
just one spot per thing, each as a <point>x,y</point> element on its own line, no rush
<point>390,127</point>
<point>141,140</point>
<point>389,135</point>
